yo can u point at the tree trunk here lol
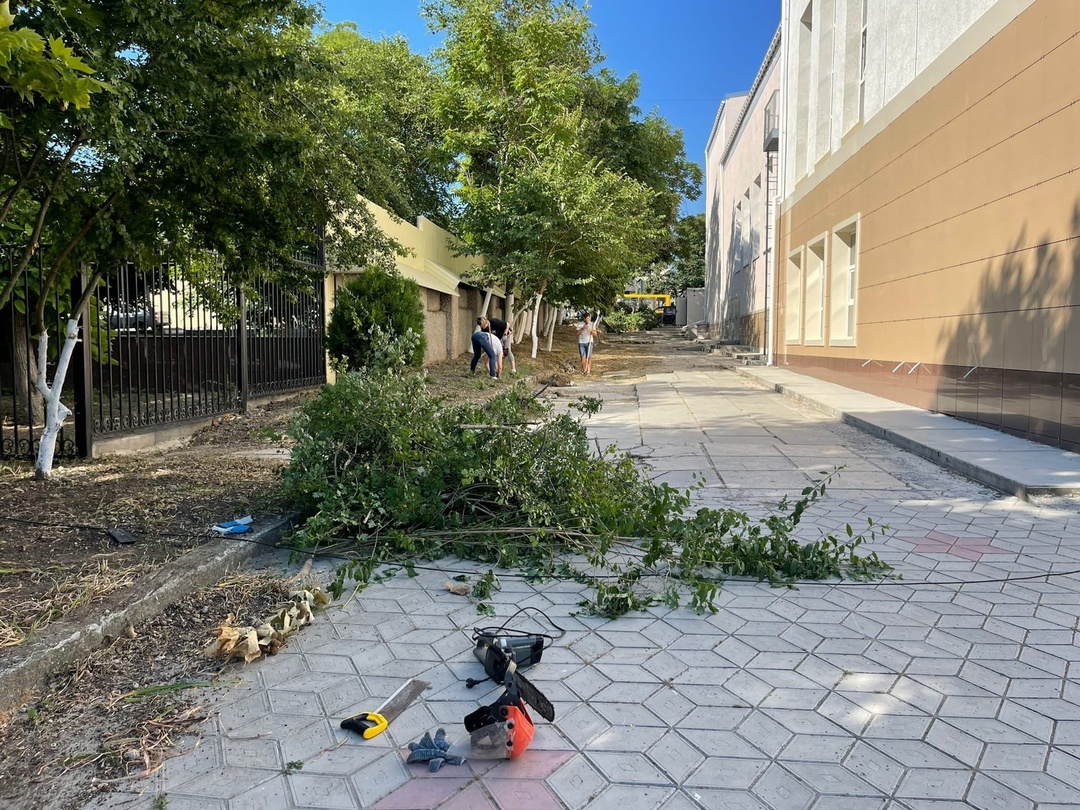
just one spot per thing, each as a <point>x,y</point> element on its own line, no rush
<point>55,411</point>
<point>28,405</point>
<point>535,316</point>
<point>487,303</point>
<point>510,301</point>
<point>551,329</point>
<point>519,326</point>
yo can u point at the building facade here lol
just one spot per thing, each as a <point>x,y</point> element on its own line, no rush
<point>742,168</point>
<point>929,227</point>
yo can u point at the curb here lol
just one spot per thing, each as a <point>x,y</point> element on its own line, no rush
<point>63,642</point>
<point>981,475</point>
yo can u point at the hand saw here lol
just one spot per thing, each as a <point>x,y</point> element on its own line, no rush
<point>370,724</point>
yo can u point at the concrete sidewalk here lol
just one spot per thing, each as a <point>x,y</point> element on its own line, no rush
<point>957,686</point>
<point>1006,463</point>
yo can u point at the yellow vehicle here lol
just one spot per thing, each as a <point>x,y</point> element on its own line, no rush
<point>655,301</point>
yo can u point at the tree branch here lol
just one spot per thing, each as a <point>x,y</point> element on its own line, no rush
<point>24,177</point>
<point>54,269</point>
<point>32,244</point>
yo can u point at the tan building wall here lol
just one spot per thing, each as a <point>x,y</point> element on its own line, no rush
<point>966,210</point>
<point>450,306</point>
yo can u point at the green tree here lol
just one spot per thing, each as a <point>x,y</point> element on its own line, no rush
<point>546,209</point>
<point>223,133</point>
<point>382,100</point>
<point>377,312</point>
<point>687,265</point>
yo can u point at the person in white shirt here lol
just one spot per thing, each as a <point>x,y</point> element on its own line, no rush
<point>586,333</point>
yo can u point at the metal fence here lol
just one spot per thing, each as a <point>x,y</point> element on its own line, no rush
<point>22,410</point>
<point>158,349</point>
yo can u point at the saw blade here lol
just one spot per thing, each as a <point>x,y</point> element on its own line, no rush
<point>402,698</point>
<point>531,695</point>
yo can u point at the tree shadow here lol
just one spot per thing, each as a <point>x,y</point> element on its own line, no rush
<point>1007,358</point>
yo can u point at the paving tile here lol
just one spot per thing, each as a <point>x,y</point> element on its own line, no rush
<point>625,797</point>
<point>782,791</point>
<point>471,798</point>
<point>936,783</point>
<point>379,778</point>
<point>874,767</point>
<point>628,768</point>
<point>577,782</point>
<point>272,794</point>
<point>725,772</point>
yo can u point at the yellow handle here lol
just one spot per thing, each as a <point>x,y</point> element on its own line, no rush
<point>380,724</point>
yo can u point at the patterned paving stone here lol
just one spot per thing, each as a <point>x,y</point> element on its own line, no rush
<point>899,695</point>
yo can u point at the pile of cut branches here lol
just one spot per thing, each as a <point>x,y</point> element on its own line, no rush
<point>383,465</point>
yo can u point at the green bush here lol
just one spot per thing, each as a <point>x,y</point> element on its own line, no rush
<point>380,465</point>
<point>377,318</point>
<point>638,320</point>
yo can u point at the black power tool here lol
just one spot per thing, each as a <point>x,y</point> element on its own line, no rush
<point>496,652</point>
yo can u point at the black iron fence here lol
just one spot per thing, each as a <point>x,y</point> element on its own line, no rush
<point>22,410</point>
<point>158,349</point>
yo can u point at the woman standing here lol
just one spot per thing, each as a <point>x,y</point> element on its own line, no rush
<point>586,333</point>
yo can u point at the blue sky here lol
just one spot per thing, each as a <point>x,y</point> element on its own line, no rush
<point>689,54</point>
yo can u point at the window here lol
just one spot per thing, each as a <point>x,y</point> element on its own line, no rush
<point>843,284</point>
<point>793,298</point>
<point>735,251</point>
<point>814,315</point>
<point>746,243</point>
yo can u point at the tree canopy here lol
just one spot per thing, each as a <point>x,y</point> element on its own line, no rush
<point>224,127</point>
<point>563,188</point>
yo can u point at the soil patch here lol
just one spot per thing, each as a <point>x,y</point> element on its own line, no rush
<point>121,711</point>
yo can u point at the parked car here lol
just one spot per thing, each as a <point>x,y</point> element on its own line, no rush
<point>141,320</point>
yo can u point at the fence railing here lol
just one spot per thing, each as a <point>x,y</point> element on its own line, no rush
<point>157,349</point>
<point>22,410</point>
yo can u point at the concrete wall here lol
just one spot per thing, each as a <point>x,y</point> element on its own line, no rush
<point>836,85</point>
<point>716,224</point>
<point>743,264</point>
<point>967,212</point>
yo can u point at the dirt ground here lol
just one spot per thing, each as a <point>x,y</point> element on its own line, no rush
<point>84,729</point>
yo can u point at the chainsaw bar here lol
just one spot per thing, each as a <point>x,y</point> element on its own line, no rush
<point>531,695</point>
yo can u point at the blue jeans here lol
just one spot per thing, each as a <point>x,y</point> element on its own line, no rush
<point>484,342</point>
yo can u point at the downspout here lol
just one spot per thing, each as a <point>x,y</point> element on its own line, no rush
<point>781,156</point>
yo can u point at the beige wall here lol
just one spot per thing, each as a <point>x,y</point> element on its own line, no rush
<point>969,210</point>
<point>450,307</point>
<point>969,213</point>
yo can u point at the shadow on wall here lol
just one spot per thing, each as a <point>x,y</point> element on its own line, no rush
<point>1007,359</point>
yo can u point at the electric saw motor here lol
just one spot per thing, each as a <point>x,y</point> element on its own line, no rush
<point>495,652</point>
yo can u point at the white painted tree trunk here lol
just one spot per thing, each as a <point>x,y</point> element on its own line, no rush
<point>553,321</point>
<point>487,303</point>
<point>535,318</point>
<point>55,410</point>
<point>519,325</point>
<point>510,301</point>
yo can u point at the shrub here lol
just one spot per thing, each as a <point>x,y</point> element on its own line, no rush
<point>379,463</point>
<point>372,314</point>
<point>638,320</point>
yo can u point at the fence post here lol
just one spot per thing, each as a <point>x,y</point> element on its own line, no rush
<point>82,380</point>
<point>242,350</point>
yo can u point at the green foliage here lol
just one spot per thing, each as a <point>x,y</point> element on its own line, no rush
<point>378,319</point>
<point>381,463</point>
<point>32,65</point>
<point>548,196</point>
<point>636,320</point>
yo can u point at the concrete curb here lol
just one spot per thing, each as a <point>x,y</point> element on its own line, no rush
<point>997,481</point>
<point>62,643</point>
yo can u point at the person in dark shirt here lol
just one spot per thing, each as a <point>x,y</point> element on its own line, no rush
<point>484,342</point>
<point>501,330</point>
